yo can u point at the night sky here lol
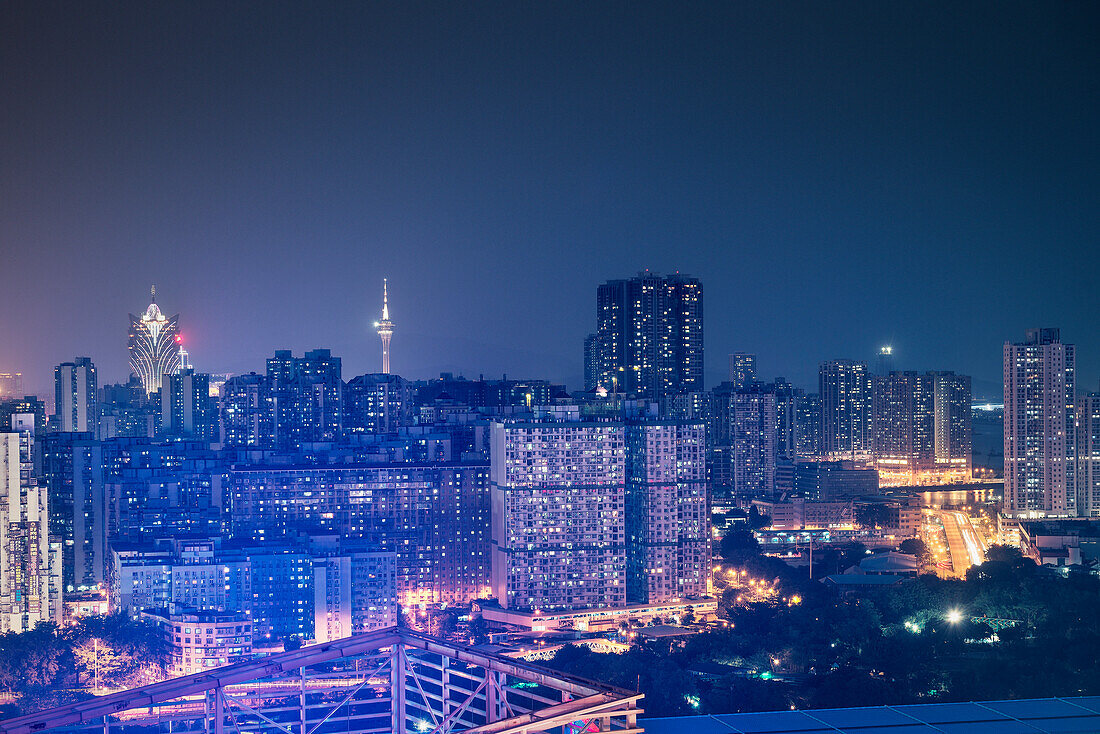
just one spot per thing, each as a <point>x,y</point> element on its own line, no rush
<point>839,175</point>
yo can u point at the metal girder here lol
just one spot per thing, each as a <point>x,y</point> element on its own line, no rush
<point>601,704</point>
<point>113,703</point>
<point>452,709</point>
<point>561,681</point>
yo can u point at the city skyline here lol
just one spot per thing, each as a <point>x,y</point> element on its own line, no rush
<point>916,179</point>
<point>985,387</point>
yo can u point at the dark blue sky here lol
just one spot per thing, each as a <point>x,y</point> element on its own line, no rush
<point>840,175</point>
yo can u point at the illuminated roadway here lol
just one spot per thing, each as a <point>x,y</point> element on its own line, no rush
<point>965,544</point>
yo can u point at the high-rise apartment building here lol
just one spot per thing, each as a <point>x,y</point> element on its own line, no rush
<point>24,531</point>
<point>307,393</point>
<point>11,385</point>
<point>377,403</point>
<point>650,335</point>
<point>667,546</point>
<point>154,345</point>
<point>434,516</point>
<point>558,499</point>
<point>845,389</point>
<point>742,369</point>
<point>788,398</point>
<point>807,426</point>
<point>1088,455</point>
<point>1040,432</point>
<point>186,408</point>
<point>744,439</point>
<point>75,396</point>
<point>591,362</point>
<point>73,469</point>
<point>922,431</point>
<point>246,412</point>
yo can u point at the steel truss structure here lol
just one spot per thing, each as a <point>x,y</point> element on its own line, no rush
<point>390,680</point>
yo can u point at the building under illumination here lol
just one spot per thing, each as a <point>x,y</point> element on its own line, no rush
<point>186,408</point>
<point>558,499</point>
<point>385,328</point>
<point>1088,455</point>
<point>922,430</point>
<point>24,519</point>
<point>742,369</point>
<point>154,345</point>
<point>845,389</point>
<point>667,543</point>
<point>75,397</point>
<point>433,515</point>
<point>1040,431</point>
<point>11,384</point>
<point>650,335</point>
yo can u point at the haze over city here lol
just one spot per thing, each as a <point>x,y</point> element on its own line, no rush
<point>841,177</point>
<point>548,368</point>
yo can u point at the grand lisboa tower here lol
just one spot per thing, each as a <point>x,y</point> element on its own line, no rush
<point>154,345</point>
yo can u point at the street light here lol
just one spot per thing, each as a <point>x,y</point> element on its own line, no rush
<point>954,616</point>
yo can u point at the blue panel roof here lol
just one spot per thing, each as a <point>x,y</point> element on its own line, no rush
<point>1027,716</point>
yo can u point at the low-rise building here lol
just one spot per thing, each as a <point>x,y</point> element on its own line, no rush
<point>596,619</point>
<point>202,639</point>
<point>798,513</point>
<point>1060,542</point>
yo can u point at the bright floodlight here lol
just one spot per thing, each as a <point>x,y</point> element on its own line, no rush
<point>954,616</point>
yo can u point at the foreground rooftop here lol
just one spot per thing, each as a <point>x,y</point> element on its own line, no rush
<point>1048,715</point>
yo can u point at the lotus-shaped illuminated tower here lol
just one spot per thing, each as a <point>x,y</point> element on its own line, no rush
<point>154,345</point>
<point>385,328</point>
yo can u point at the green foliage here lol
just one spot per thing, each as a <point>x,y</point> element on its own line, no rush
<point>758,519</point>
<point>915,547</point>
<point>1003,553</point>
<point>871,514</point>
<point>739,545</point>
<point>479,630</point>
<point>45,665</point>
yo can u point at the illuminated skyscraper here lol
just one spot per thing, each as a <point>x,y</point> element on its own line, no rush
<point>11,384</point>
<point>845,389</point>
<point>558,514</point>
<point>25,552</point>
<point>75,397</point>
<point>1088,455</point>
<point>1040,425</point>
<point>884,365</point>
<point>650,335</point>
<point>591,361</point>
<point>385,328</point>
<point>742,370</point>
<point>922,432</point>
<point>154,345</point>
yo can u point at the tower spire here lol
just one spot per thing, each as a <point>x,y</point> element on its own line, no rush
<point>385,327</point>
<point>153,292</point>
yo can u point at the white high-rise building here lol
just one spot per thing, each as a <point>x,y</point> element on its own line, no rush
<point>558,516</point>
<point>845,389</point>
<point>1040,432</point>
<point>24,531</point>
<point>75,396</point>
<point>667,538</point>
<point>1088,455</point>
<point>590,514</point>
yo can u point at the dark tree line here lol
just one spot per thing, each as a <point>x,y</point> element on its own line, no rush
<point>50,665</point>
<point>914,643</point>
